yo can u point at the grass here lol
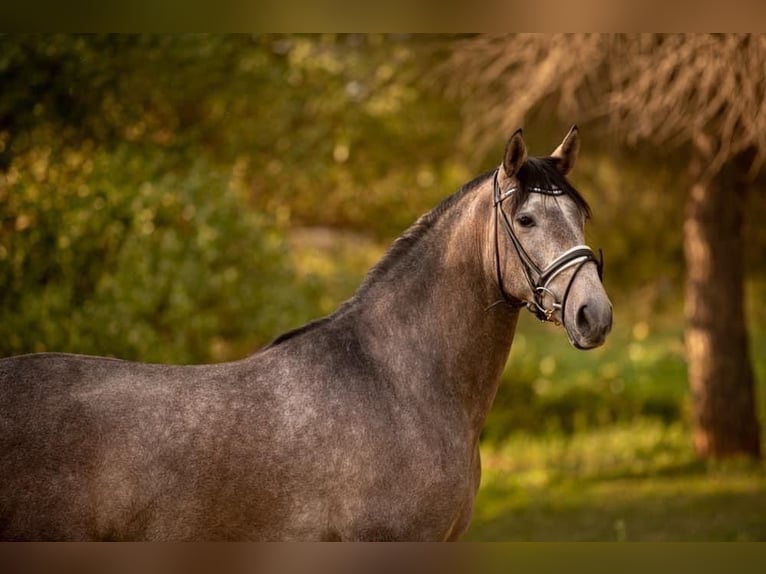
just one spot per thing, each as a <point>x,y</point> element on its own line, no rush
<point>636,481</point>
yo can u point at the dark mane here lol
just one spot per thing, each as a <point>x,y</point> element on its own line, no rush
<point>407,240</point>
<point>537,172</point>
<point>403,244</point>
<point>543,173</point>
<point>291,334</point>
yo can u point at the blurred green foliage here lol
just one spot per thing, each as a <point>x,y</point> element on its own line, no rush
<point>549,389</point>
<point>123,260</point>
<point>149,182</point>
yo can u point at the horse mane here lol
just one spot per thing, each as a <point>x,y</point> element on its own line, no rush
<point>537,172</point>
<point>401,246</point>
<point>412,236</point>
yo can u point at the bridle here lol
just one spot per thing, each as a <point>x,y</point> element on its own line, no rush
<point>539,279</point>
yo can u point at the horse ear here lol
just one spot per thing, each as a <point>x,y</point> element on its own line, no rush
<point>566,153</point>
<point>515,154</point>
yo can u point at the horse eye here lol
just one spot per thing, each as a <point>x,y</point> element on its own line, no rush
<point>526,221</point>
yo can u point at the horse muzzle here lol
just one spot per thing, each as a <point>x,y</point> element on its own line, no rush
<point>591,321</point>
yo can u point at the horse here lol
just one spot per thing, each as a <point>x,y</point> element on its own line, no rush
<point>362,425</point>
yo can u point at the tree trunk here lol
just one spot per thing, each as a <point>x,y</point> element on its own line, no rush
<point>720,371</point>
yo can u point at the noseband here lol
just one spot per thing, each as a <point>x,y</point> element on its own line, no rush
<point>539,279</point>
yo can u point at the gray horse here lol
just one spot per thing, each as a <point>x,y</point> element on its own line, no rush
<point>363,425</point>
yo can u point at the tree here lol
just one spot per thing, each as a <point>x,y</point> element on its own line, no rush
<point>700,97</point>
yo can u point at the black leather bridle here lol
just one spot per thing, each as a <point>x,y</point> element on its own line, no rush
<point>538,278</point>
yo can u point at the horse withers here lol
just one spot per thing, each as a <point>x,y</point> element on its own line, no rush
<point>363,425</point>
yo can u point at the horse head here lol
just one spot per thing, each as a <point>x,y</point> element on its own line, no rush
<point>542,261</point>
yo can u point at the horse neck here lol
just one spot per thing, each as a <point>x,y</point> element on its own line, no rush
<point>426,318</point>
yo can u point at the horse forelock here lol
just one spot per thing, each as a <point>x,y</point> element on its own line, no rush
<point>543,173</point>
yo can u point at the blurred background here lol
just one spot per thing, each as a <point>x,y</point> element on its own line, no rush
<point>187,198</point>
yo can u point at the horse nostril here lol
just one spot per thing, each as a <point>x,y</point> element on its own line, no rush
<point>583,323</point>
